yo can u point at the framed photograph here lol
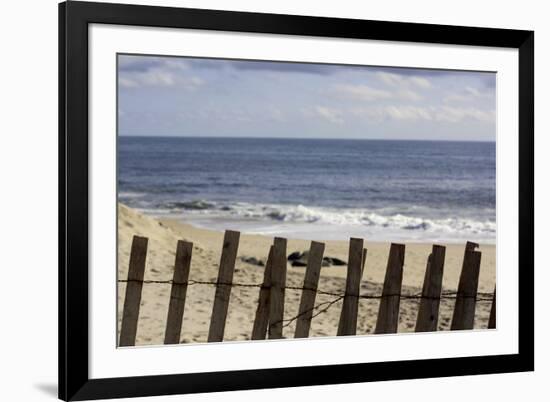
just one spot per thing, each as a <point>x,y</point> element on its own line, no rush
<point>257,200</point>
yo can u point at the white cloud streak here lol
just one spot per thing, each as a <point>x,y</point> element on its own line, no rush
<point>400,81</point>
<point>429,113</point>
<point>158,78</point>
<point>363,92</point>
<point>330,114</point>
<point>469,94</point>
<point>396,86</point>
<point>369,94</point>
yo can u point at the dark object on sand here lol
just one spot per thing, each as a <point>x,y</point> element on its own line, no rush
<point>295,256</point>
<point>253,261</point>
<point>334,261</point>
<point>299,259</point>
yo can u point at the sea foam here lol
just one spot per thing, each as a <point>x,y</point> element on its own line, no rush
<point>318,218</point>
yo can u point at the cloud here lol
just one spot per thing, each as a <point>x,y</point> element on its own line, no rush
<point>454,115</point>
<point>408,94</point>
<point>407,113</point>
<point>139,71</point>
<point>270,66</point>
<point>394,112</point>
<point>369,94</point>
<point>136,71</point>
<point>143,63</point>
<point>420,82</point>
<point>276,114</point>
<point>136,63</point>
<point>156,78</point>
<point>429,113</point>
<point>329,114</point>
<point>395,86</point>
<point>468,94</point>
<point>474,92</point>
<point>362,92</point>
<point>401,81</point>
<point>149,78</point>
<point>416,76</point>
<point>287,67</point>
<point>487,78</point>
<point>127,82</point>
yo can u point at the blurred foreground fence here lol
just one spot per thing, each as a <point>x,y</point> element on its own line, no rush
<point>269,320</point>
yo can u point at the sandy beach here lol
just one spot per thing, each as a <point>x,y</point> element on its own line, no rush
<point>164,234</point>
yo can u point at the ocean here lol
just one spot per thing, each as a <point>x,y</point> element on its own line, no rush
<point>410,191</point>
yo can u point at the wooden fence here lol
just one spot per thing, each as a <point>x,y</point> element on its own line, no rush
<point>269,317</point>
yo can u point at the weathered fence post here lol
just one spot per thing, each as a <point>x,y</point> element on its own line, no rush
<point>178,292</point>
<point>388,313</point>
<point>132,300</point>
<point>348,317</point>
<point>465,305</point>
<point>261,320</point>
<point>363,261</point>
<point>223,286</point>
<point>311,280</point>
<point>493,316</point>
<point>277,294</point>
<point>428,311</point>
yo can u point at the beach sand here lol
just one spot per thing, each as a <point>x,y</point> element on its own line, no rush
<point>163,236</point>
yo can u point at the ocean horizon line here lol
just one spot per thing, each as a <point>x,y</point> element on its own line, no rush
<point>303,138</point>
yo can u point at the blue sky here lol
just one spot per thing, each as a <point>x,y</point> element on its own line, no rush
<point>175,96</point>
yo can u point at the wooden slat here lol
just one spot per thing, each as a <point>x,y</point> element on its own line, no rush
<point>261,321</point>
<point>223,286</point>
<point>277,294</point>
<point>132,300</point>
<point>493,316</point>
<point>178,292</point>
<point>363,262</point>
<point>465,305</point>
<point>311,280</point>
<point>388,313</point>
<point>428,311</point>
<point>470,246</point>
<point>350,306</point>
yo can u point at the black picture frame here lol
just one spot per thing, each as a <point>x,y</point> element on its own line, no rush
<point>74,18</point>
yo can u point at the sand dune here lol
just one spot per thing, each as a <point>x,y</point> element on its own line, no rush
<point>164,234</point>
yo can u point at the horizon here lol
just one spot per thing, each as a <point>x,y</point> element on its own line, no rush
<point>175,96</point>
<point>298,138</point>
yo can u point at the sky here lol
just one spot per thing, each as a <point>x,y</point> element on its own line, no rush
<point>197,97</point>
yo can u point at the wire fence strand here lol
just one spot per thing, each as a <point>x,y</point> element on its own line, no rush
<point>480,296</point>
<point>322,307</point>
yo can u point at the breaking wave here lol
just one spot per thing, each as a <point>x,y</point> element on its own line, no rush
<point>289,214</point>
